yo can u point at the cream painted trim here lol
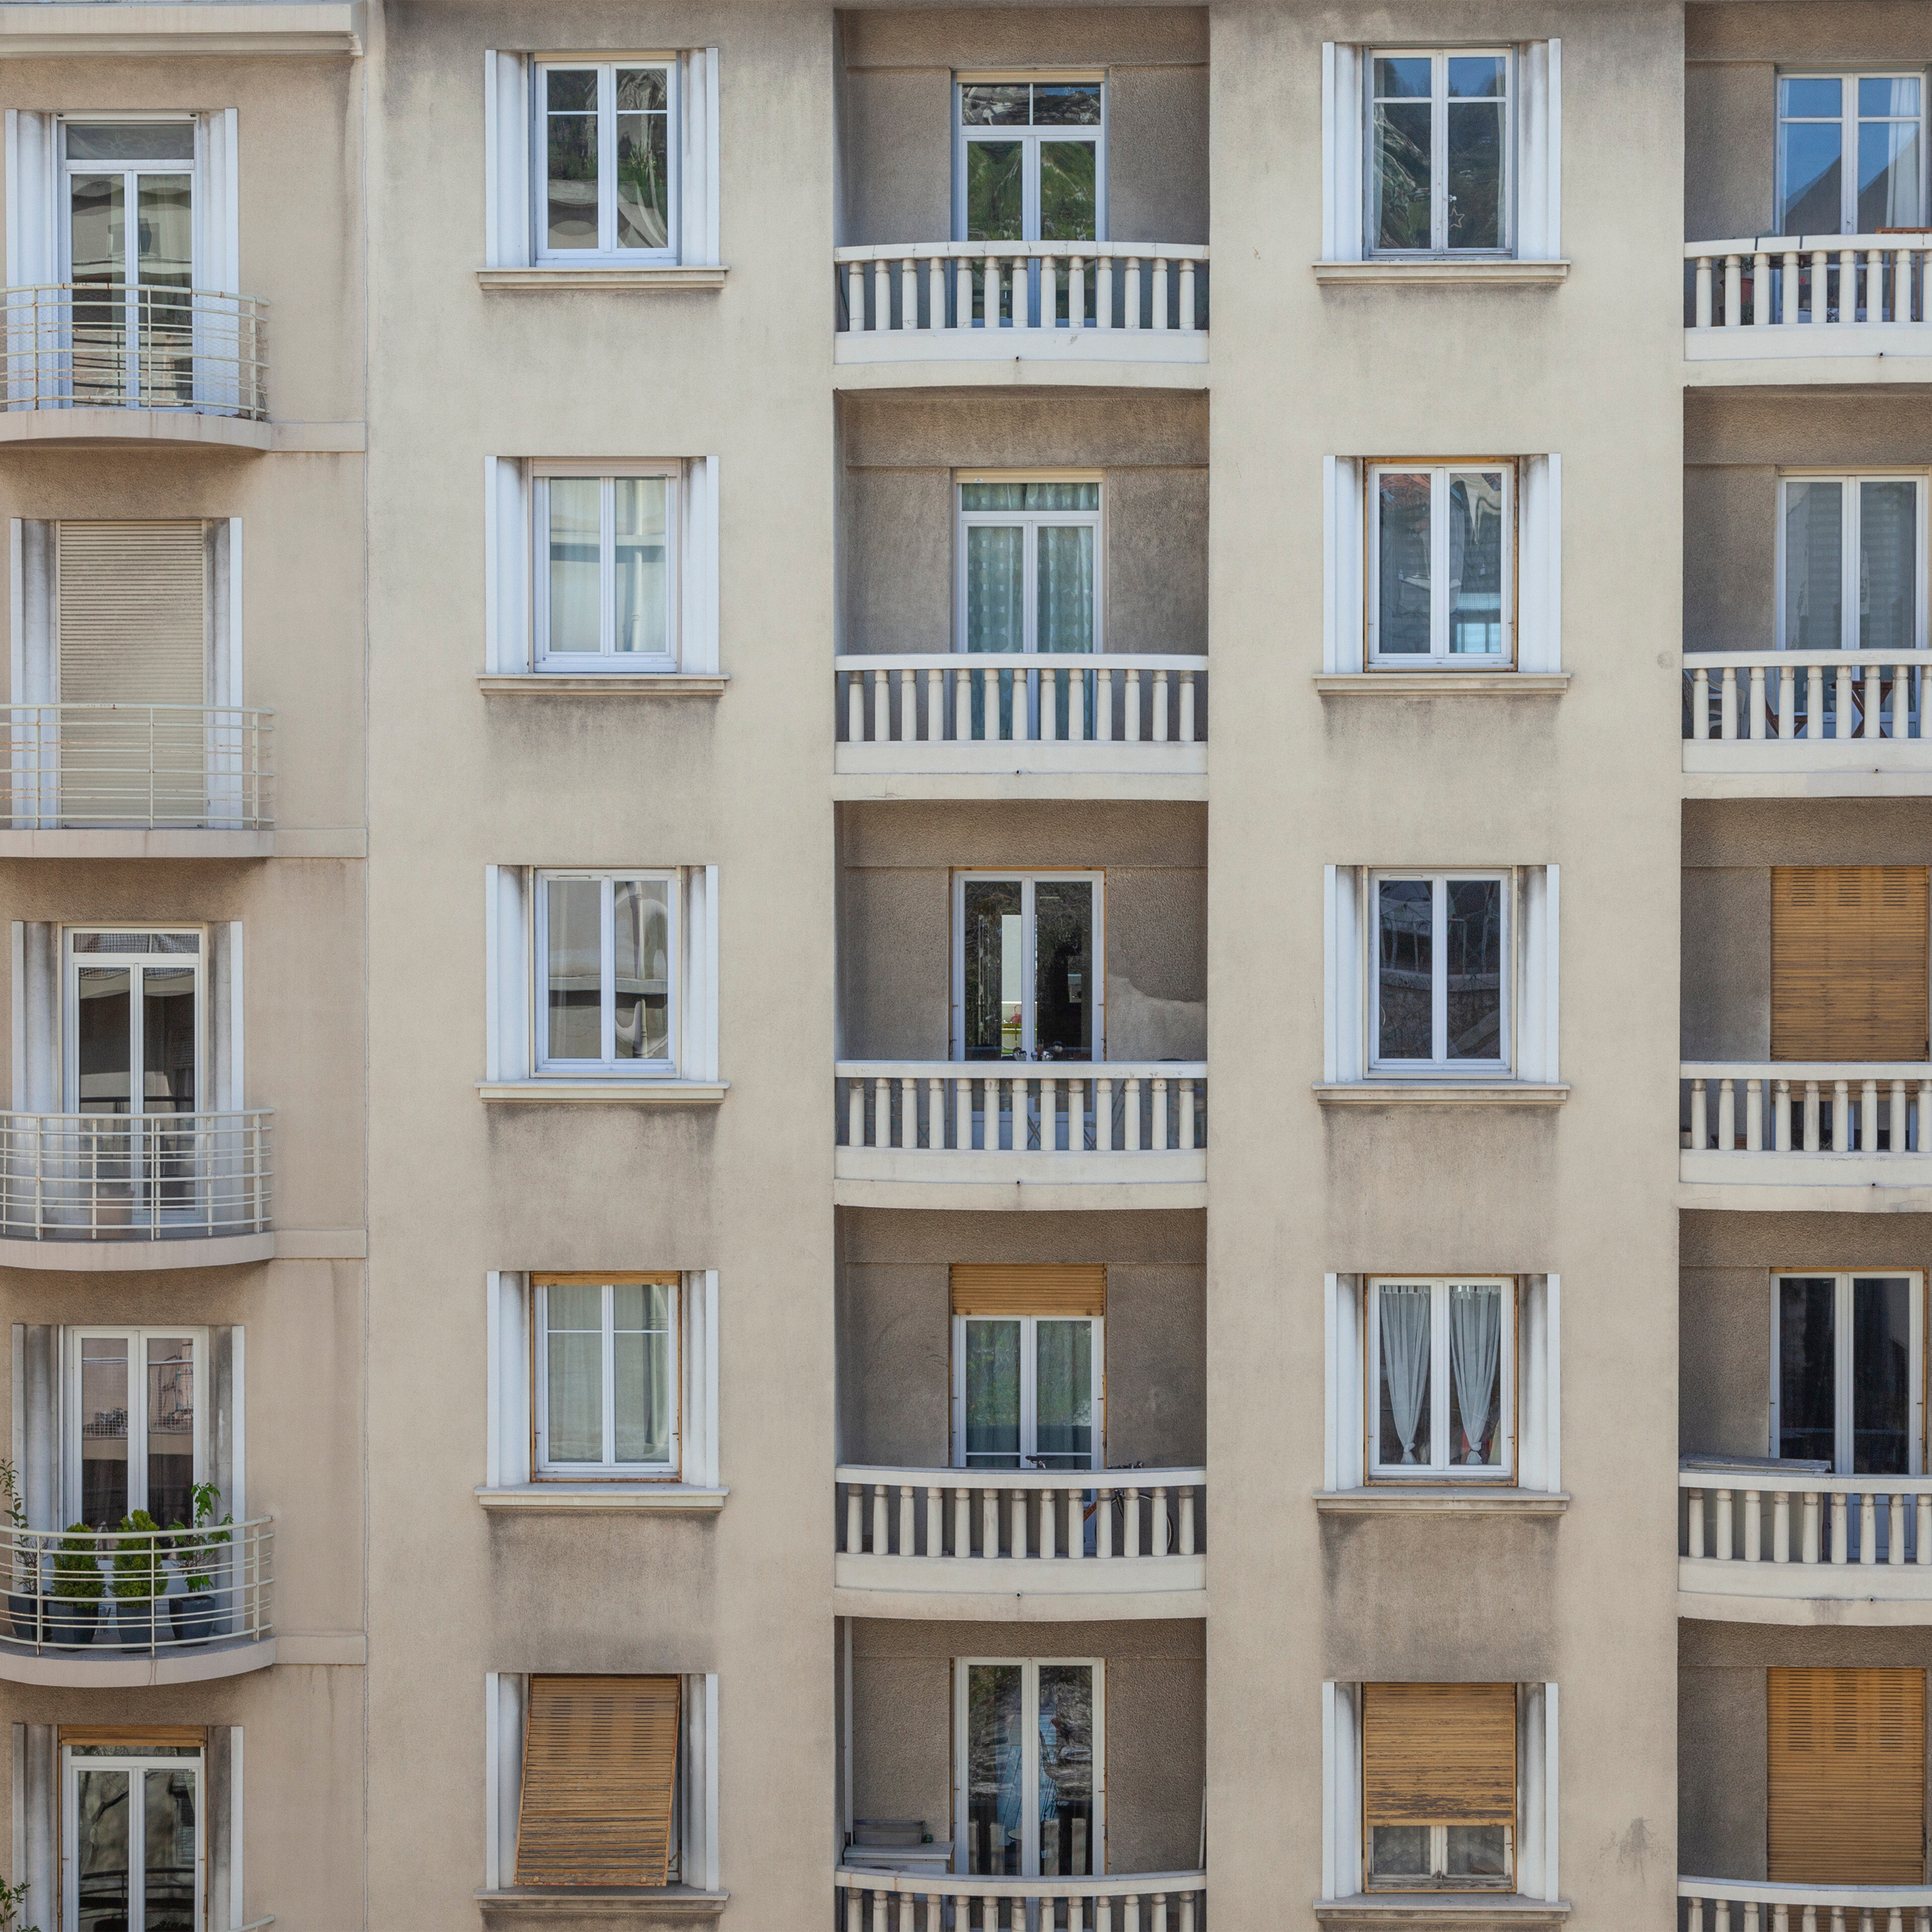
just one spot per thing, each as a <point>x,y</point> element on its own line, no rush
<point>1490,272</point>
<point>130,32</point>
<point>667,275</point>
<point>546,684</point>
<point>1441,1094</point>
<point>619,1092</point>
<point>1442,1498</point>
<point>1442,684</point>
<point>675,1498</point>
<point>102,1670</point>
<point>672,1902</point>
<point>131,1257</point>
<point>1383,1911</point>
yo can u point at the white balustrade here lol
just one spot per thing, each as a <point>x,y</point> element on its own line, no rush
<point>1801,699</point>
<point>1781,282</point>
<point>1745,1905</point>
<point>1765,1514</point>
<point>1856,1107</point>
<point>881,1901</point>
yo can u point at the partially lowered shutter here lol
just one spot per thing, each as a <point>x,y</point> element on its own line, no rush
<point>1849,962</point>
<point>1047,1289</point>
<point>1438,1754</point>
<point>600,1769</point>
<point>1847,1797</point>
<point>132,605</point>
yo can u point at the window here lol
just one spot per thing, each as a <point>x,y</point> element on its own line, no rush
<point>1442,1367</point>
<point>1851,553</point>
<point>1031,163</point>
<point>1029,1781</point>
<point>120,1872</point>
<point>1029,571</point>
<point>136,1439</point>
<point>1851,963</point>
<point>1441,987</point>
<point>1849,158</point>
<point>134,1007</point>
<point>1027,977</point>
<point>1440,567</point>
<point>1439,1786</point>
<point>606,942</point>
<point>605,141</point>
<point>1846,1384</point>
<point>607,1377</point>
<point>607,550</point>
<point>1845,1800</point>
<point>1438,149</point>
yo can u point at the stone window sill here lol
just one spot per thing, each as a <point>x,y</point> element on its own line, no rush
<point>618,684</point>
<point>675,1498</point>
<point>1442,683</point>
<point>1441,1499</point>
<point>1467,1911</point>
<point>605,1092</point>
<point>564,277</point>
<point>1436,270</point>
<point>1440,1093</point>
<point>639,1903</point>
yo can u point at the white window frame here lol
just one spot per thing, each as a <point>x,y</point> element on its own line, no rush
<point>607,1468</point>
<point>1439,1065</point>
<point>1030,1386</point>
<point>75,1340</point>
<point>192,168</point>
<point>1031,523</point>
<point>1439,1468</point>
<point>606,251</point>
<point>71,963</point>
<point>607,658</point>
<point>1439,57</point>
<point>1028,881</point>
<point>607,1062</point>
<point>1849,120</point>
<point>1030,138</point>
<point>1439,657</point>
<point>1851,507</point>
<point>1030,1758</point>
<point>1842,1333</point>
<point>137,1764</point>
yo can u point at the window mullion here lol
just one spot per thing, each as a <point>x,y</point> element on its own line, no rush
<point>607,566</point>
<point>1438,563</point>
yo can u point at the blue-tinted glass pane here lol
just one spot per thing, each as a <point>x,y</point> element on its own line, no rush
<point>1405,964</point>
<point>1888,176</point>
<point>1810,185</point>
<point>1405,77</point>
<point>1806,97</point>
<point>1476,76</point>
<point>1894,97</point>
<point>1473,941</point>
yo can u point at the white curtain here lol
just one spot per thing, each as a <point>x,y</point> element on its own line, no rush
<point>1475,1344</point>
<point>1404,1343</point>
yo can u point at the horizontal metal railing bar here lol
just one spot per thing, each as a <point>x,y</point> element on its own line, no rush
<point>957,1884</point>
<point>1851,1070</point>
<point>1026,1479</point>
<point>994,661</point>
<point>1084,251</point>
<point>1807,244</point>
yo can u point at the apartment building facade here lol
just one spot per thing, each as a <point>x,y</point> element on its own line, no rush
<point>727,671</point>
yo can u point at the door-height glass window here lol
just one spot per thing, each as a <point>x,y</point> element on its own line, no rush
<point>1441,1366</point>
<point>1442,568</point>
<point>605,547</point>
<point>1028,1783</point>
<point>607,947</point>
<point>136,1436</point>
<point>1850,156</point>
<point>134,1021</point>
<point>135,1847</point>
<point>1027,977</point>
<point>1846,1387</point>
<point>607,1375</point>
<point>603,153</point>
<point>1438,152</point>
<point>1441,1001</point>
<point>1029,564</point>
<point>1031,161</point>
<point>1851,555</point>
<point>1027,1392</point>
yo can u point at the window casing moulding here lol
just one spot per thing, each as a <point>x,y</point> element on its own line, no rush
<point>509,1480</point>
<point>510,999</point>
<point>1536,137</point>
<point>509,119</point>
<point>1537,549</point>
<point>511,585</point>
<point>1530,1077</point>
<point>1537,1487</point>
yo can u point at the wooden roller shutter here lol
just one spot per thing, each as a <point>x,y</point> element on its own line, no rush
<point>1849,962</point>
<point>988,1288</point>
<point>1846,1802</point>
<point>133,613</point>
<point>600,1767</point>
<point>135,1739</point>
<point>1439,1753</point>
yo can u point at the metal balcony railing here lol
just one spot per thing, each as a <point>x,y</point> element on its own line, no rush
<point>152,767</point>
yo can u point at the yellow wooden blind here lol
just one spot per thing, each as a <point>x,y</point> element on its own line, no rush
<point>1846,1802</point>
<point>1439,1753</point>
<point>1849,962</point>
<point>600,1765</point>
<point>135,1739</point>
<point>984,1288</point>
<point>133,611</point>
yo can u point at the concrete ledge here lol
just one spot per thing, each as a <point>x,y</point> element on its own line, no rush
<point>1008,1197</point>
<point>1442,683</point>
<point>343,841</point>
<point>1443,1499</point>
<point>132,1257</point>
<point>132,31</point>
<point>1467,1911</point>
<point>319,439</point>
<point>1186,787</point>
<point>1871,783</point>
<point>1441,271</point>
<point>566,279</point>
<point>602,1901</point>
<point>1011,1589</point>
<point>133,426</point>
<point>1441,1094</point>
<point>1020,372</point>
<point>135,843</point>
<point>619,684</point>
<point>570,1498</point>
<point>102,1667</point>
<point>605,1092</point>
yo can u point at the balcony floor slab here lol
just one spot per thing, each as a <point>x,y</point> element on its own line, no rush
<point>869,1177</point>
<point>1185,786</point>
<point>1033,1591</point>
<point>133,1256</point>
<point>1856,1595</point>
<point>134,843</point>
<point>133,427</point>
<point>104,1669</point>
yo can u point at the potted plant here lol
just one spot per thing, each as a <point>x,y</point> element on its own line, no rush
<point>78,1587</point>
<point>193,1614</point>
<point>12,1898</point>
<point>138,1580</point>
<point>22,1605</point>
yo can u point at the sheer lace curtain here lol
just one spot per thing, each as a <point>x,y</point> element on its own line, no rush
<point>1404,1317</point>
<point>1475,1347</point>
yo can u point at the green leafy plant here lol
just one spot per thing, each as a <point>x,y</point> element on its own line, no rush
<point>191,1546</point>
<point>137,1558</point>
<point>76,1573</point>
<point>24,1564</point>
<point>12,1898</point>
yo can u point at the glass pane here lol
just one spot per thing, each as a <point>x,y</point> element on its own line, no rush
<point>1066,1770</point>
<point>1476,562</point>
<point>166,231</point>
<point>993,103</point>
<point>1477,1851</point>
<point>1881,95</point>
<point>131,141</point>
<point>1887,565</point>
<point>1400,1851</point>
<point>136,942</point>
<point>1476,1312</point>
<point>644,169</point>
<point>1399,176</point>
<point>642,566</point>
<point>101,1850</point>
<point>644,1353</point>
<point>994,496</point>
<point>1888,176</point>
<point>994,961</point>
<point>574,1348</point>
<point>1473,941</point>
<point>641,942</point>
<point>1401,577</point>
<point>994,190</point>
<point>1067,104</point>
<point>995,1752</point>
<point>1405,1328</point>
<point>1811,100</point>
<point>104,1397</point>
<point>103,1039</point>
<point>1064,575</point>
<point>1044,496</point>
<point>575,540</point>
<point>1806,1370</point>
<point>1068,201</point>
<point>1813,575</point>
<point>1064,966</point>
<point>1475,165</point>
<point>1810,187</point>
<point>167,1040</point>
<point>1063,1397</point>
<point>995,589</point>
<point>574,969</point>
<point>571,194</point>
<point>992,1394</point>
<point>1477,76</point>
<point>1404,932</point>
<point>98,238</point>
<point>1881,1375</point>
<point>169,1890</point>
<point>1402,77</point>
<point>171,1431</point>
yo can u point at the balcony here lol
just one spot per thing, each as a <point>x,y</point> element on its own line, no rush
<point>931,1901</point>
<point>138,781</point>
<point>113,1191</point>
<point>116,363</point>
<point>1717,1904</point>
<point>949,1134</point>
<point>1018,725</point>
<point>1027,1546</point>
<point>110,1608</point>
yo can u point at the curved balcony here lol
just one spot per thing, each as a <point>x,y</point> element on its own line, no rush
<point>923,1901</point>
<point>94,1191</point>
<point>138,781</point>
<point>1027,1546</point>
<point>114,362</point>
<point>1719,1904</point>
<point>111,1607</point>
